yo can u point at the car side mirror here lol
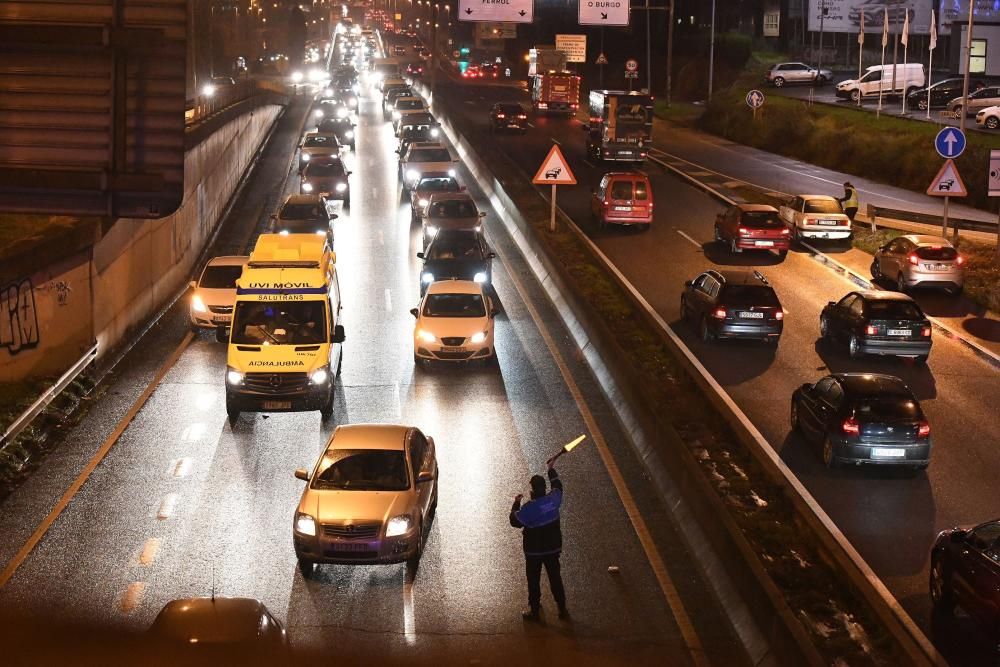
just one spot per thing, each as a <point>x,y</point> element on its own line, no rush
<point>482,214</point>
<point>425,476</point>
<point>420,255</point>
<point>414,312</point>
<point>688,283</point>
<point>492,255</point>
<point>338,334</point>
<point>302,474</point>
<point>493,313</point>
<point>830,304</point>
<point>194,284</point>
<point>958,536</point>
<point>806,387</point>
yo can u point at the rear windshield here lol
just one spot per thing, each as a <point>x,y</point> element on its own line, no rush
<point>889,408</point>
<point>511,109</point>
<point>431,155</point>
<point>453,209</point>
<point>220,277</point>
<point>465,246</point>
<point>761,220</point>
<point>454,305</point>
<point>938,253</point>
<point>893,310</point>
<point>621,190</point>
<point>749,295</point>
<point>409,104</point>
<point>823,206</point>
<point>438,185</point>
<point>327,169</point>
<point>302,212</point>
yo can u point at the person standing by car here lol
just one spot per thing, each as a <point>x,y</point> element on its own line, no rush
<point>542,540</point>
<point>850,200</point>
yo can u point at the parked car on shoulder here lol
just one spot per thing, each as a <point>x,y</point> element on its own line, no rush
<point>919,260</point>
<point>878,323</point>
<point>783,74</point>
<point>978,100</point>
<point>816,217</point>
<point>863,418</point>
<point>215,293</point>
<point>733,304</point>
<point>752,227</point>
<point>988,117</point>
<point>941,93</point>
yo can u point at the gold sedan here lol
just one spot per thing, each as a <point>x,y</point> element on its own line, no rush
<point>369,498</point>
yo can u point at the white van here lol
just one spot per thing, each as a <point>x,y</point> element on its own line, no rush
<point>908,78</point>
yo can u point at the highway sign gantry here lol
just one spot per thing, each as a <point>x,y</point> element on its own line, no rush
<point>949,142</point>
<point>509,11</point>
<point>604,12</point>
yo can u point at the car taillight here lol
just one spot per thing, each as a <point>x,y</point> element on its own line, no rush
<point>914,260</point>
<point>719,313</point>
<point>785,231</point>
<point>851,426</point>
<point>871,330</point>
<point>500,115</point>
<point>521,116</point>
<point>925,332</point>
<point>744,231</point>
<point>959,260</point>
<point>923,430</point>
<point>779,314</point>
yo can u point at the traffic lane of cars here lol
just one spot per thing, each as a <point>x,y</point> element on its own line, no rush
<point>900,517</point>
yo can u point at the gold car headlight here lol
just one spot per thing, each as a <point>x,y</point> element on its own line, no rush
<point>397,525</point>
<point>305,524</point>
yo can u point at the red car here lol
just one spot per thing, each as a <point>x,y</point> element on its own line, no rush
<point>472,72</point>
<point>414,70</point>
<point>752,227</point>
<point>623,198</point>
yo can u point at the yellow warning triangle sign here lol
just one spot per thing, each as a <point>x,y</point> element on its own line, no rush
<point>554,170</point>
<point>948,183</point>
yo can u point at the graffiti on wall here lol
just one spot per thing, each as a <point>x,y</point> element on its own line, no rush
<point>18,318</point>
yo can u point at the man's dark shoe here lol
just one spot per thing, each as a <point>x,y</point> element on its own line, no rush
<point>563,613</point>
<point>531,615</point>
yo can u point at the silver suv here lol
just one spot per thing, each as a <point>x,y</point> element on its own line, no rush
<point>917,260</point>
<point>784,73</point>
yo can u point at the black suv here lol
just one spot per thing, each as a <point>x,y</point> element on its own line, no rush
<point>733,304</point>
<point>508,116</point>
<point>878,322</point>
<point>457,253</point>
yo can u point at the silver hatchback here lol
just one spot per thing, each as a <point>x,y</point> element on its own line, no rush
<point>785,73</point>
<point>917,260</point>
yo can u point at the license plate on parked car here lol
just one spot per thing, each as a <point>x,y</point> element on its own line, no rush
<point>887,453</point>
<point>764,244</point>
<point>277,405</point>
<point>828,223</point>
<point>898,332</point>
<point>350,546</point>
<point>747,315</point>
<point>623,208</point>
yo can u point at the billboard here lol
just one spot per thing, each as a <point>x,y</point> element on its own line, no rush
<point>845,15</point>
<point>958,10</point>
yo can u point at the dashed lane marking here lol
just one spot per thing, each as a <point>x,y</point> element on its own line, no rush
<point>132,596</point>
<point>696,243</point>
<point>167,506</point>
<point>388,300</point>
<point>182,467</point>
<point>149,551</point>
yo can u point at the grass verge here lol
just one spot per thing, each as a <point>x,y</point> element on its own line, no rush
<point>842,627</point>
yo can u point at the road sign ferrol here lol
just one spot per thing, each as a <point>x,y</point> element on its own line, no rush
<point>604,12</point>
<point>499,11</point>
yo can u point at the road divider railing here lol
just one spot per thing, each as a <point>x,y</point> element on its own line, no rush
<point>874,212</point>
<point>206,105</point>
<point>661,449</point>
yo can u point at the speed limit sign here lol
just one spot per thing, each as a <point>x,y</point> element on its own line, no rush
<point>631,65</point>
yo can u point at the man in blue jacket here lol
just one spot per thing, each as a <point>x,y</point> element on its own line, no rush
<point>542,538</point>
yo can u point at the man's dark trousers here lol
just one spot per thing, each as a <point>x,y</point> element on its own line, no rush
<point>533,568</point>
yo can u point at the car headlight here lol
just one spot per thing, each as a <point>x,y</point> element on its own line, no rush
<point>208,90</point>
<point>451,172</point>
<point>318,113</point>
<point>305,524</point>
<point>328,92</point>
<point>479,228</point>
<point>306,157</point>
<point>234,377</point>
<point>307,187</point>
<point>395,115</point>
<point>432,230</point>
<point>425,336</point>
<point>349,134</point>
<point>297,77</point>
<point>412,174</point>
<point>340,187</point>
<point>480,277</point>
<point>397,525</point>
<point>478,337</point>
<point>352,101</point>
<point>341,112</point>
<point>197,305</point>
<point>422,202</point>
<point>283,232</point>
<point>319,376</point>
<point>426,277</point>
<point>434,132</point>
<point>315,75</point>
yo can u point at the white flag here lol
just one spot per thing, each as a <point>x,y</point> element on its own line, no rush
<point>885,28</point>
<point>861,35</point>
<point>905,38</point>
<point>933,42</point>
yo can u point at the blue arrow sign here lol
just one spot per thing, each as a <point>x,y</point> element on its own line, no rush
<point>949,142</point>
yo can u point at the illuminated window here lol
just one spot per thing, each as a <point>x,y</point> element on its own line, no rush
<point>977,57</point>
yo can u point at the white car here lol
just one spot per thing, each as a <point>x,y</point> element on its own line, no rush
<point>454,323</point>
<point>989,117</point>
<point>316,144</point>
<point>369,499</point>
<point>816,217</point>
<point>214,294</point>
<point>424,157</point>
<point>404,107</point>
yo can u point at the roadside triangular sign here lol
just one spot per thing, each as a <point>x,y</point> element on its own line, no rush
<point>602,59</point>
<point>554,170</point>
<point>948,183</point>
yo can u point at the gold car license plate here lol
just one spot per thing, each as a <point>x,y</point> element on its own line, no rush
<point>277,405</point>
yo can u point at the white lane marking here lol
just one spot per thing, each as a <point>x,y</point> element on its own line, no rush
<point>656,562</point>
<point>167,507</point>
<point>688,237</point>
<point>556,141</point>
<point>396,400</point>
<point>131,597</point>
<point>181,467</point>
<point>388,300</point>
<point>149,551</point>
<point>587,162</point>
<point>409,620</point>
<point>530,125</point>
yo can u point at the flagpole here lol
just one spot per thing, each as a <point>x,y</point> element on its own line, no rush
<point>906,46</point>
<point>861,50</point>
<point>881,78</point>
<point>930,61</point>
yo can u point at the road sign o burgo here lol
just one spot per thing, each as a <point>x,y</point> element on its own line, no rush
<point>949,143</point>
<point>632,65</point>
<point>554,170</point>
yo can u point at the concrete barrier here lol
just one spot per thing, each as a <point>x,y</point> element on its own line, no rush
<point>105,290</point>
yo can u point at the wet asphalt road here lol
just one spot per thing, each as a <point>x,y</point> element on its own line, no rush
<point>889,518</point>
<point>183,504</point>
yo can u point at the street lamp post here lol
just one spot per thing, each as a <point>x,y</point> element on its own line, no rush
<point>670,50</point>
<point>711,53</point>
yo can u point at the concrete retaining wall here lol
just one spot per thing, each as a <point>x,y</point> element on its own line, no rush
<point>103,292</point>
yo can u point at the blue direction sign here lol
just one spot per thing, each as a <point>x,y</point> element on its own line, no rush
<point>949,142</point>
<point>755,99</point>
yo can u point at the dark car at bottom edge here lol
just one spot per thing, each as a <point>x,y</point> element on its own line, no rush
<point>965,572</point>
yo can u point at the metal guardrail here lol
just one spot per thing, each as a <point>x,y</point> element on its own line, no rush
<point>50,394</point>
<point>927,219</point>
<point>204,106</point>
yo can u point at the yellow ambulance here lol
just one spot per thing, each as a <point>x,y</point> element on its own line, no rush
<point>285,339</point>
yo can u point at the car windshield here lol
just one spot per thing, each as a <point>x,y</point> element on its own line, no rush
<point>220,277</point>
<point>279,323</point>
<point>324,169</point>
<point>409,104</point>
<point>749,295</point>
<point>823,206</point>
<point>438,185</point>
<point>761,220</point>
<point>313,226</point>
<point>459,246</point>
<point>453,208</point>
<point>893,310</point>
<point>431,155</point>
<point>454,305</point>
<point>942,253</point>
<point>889,408</point>
<point>362,470</point>
<point>302,212</point>
<point>316,142</point>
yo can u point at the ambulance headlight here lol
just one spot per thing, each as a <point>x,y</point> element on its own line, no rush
<point>234,377</point>
<point>480,277</point>
<point>307,187</point>
<point>340,187</point>
<point>319,376</point>
<point>197,305</point>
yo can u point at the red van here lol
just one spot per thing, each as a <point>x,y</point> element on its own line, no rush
<point>623,198</point>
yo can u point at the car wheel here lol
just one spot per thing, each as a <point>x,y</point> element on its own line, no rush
<point>900,283</point>
<point>992,122</point>
<point>941,594</point>
<point>705,331</point>
<point>414,560</point>
<point>875,271</point>
<point>855,96</point>
<point>306,567</point>
<point>854,348</point>
<point>922,104</point>
<point>221,335</point>
<point>829,458</point>
<point>778,81</point>
<point>793,417</point>
<point>956,111</point>
<point>824,328</point>
<point>734,248</point>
